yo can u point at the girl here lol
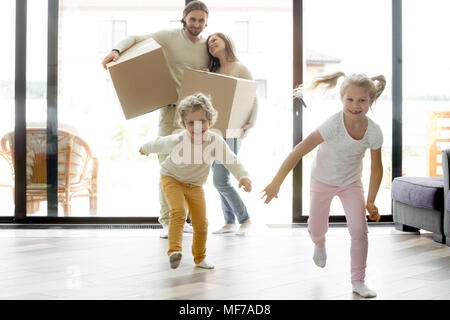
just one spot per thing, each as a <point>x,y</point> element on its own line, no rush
<point>185,170</point>
<point>223,60</point>
<point>337,169</point>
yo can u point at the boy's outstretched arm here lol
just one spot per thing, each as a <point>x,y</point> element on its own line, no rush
<point>161,145</point>
<point>376,174</point>
<point>300,150</point>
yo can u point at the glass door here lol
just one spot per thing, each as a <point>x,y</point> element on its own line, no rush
<point>426,102</point>
<point>36,108</point>
<point>348,36</point>
<point>7,106</point>
<point>120,182</point>
<point>262,32</point>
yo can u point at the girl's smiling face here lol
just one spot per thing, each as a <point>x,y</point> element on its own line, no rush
<point>197,124</point>
<point>356,102</point>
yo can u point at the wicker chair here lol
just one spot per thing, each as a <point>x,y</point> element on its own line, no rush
<point>77,168</point>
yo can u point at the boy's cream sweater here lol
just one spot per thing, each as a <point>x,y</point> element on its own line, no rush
<point>189,162</point>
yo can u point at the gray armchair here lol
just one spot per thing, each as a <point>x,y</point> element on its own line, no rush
<point>418,203</point>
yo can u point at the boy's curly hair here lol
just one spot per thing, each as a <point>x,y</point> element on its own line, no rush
<point>194,102</point>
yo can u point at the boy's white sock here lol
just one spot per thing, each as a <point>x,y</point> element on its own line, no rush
<point>205,264</point>
<point>320,256</point>
<point>363,290</point>
<point>174,259</point>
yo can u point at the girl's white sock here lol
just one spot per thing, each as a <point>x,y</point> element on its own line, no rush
<point>320,256</point>
<point>205,265</point>
<point>363,290</point>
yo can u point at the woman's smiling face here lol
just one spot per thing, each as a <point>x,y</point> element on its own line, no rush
<point>215,45</point>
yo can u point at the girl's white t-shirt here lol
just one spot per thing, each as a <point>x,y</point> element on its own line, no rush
<point>338,160</point>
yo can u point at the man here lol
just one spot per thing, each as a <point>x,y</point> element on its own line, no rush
<point>183,48</point>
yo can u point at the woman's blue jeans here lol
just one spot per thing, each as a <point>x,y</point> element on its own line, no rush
<point>232,205</point>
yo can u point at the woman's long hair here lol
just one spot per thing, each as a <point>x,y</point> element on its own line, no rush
<point>214,63</point>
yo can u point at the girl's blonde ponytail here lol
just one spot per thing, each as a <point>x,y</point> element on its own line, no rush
<point>380,84</point>
<point>329,80</point>
<point>374,85</point>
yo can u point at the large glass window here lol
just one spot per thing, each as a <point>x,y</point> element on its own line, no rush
<point>127,183</point>
<point>426,102</point>
<point>354,37</point>
<point>7,74</point>
<point>36,107</point>
<point>262,32</point>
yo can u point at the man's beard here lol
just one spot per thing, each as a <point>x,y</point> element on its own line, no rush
<point>193,33</point>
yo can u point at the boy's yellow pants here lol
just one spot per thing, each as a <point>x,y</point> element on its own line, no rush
<point>178,195</point>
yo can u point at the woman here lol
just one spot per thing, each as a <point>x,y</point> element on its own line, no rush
<point>223,60</point>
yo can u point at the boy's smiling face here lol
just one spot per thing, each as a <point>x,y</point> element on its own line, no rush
<point>197,124</point>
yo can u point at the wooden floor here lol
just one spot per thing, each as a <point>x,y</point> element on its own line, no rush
<point>271,263</point>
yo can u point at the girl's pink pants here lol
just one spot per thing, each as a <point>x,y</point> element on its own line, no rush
<point>352,198</point>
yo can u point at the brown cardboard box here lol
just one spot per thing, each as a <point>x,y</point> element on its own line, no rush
<point>232,97</point>
<point>142,80</point>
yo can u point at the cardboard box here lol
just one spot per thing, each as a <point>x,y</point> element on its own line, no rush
<point>142,79</point>
<point>232,97</point>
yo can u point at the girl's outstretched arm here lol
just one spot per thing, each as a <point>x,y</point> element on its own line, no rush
<point>376,174</point>
<point>301,149</point>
